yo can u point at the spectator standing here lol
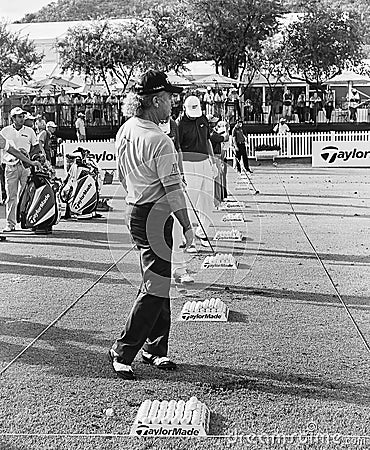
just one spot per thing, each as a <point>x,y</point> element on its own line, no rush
<point>88,102</point>
<point>80,127</point>
<point>16,174</point>
<point>287,105</point>
<point>40,124</point>
<point>248,110</point>
<point>37,104</point>
<point>49,143</point>
<point>5,107</point>
<point>301,107</point>
<point>354,101</point>
<point>329,105</point>
<point>97,109</point>
<point>239,141</point>
<point>112,110</point>
<point>315,107</point>
<point>78,103</point>
<point>65,108</point>
<point>219,104</point>
<point>209,101</point>
<point>49,107</point>
<point>26,103</point>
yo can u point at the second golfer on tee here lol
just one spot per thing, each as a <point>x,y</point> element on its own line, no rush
<point>148,170</point>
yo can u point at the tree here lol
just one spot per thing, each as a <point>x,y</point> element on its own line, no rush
<point>322,43</point>
<point>172,38</point>
<point>225,29</point>
<point>18,56</point>
<point>105,50</point>
<point>101,50</point>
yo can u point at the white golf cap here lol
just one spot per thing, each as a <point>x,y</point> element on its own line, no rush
<point>192,106</point>
<point>17,111</point>
<point>52,124</point>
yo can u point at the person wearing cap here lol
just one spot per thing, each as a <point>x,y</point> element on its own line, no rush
<point>200,167</point>
<point>281,127</point>
<point>239,141</point>
<point>148,170</point>
<point>80,127</point>
<point>49,143</point>
<point>29,121</point>
<point>15,173</point>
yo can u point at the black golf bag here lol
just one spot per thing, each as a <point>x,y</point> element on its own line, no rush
<point>80,190</point>
<point>38,205</point>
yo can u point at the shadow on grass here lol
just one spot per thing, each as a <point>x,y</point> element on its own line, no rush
<point>218,380</point>
<point>73,353</point>
<point>68,352</point>
<point>238,291</point>
<point>30,266</point>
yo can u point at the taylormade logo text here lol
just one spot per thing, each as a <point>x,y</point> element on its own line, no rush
<point>197,316</point>
<point>35,216</point>
<point>105,156</point>
<point>83,195</point>
<point>331,153</point>
<point>145,430</point>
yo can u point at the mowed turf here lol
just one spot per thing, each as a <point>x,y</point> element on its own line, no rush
<point>288,361</point>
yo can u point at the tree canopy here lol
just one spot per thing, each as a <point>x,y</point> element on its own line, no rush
<point>322,43</point>
<point>18,56</point>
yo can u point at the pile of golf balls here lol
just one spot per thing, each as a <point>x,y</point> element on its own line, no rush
<point>232,235</point>
<point>219,260</point>
<point>192,412</point>
<point>237,217</point>
<point>209,306</point>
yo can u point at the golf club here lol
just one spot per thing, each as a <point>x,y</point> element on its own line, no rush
<point>199,221</point>
<point>256,191</point>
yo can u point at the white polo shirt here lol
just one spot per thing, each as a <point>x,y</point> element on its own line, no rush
<point>4,150</point>
<point>24,138</point>
<point>147,161</point>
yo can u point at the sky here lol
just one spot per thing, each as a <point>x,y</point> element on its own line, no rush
<point>12,10</point>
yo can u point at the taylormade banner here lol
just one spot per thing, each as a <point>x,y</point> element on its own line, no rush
<point>103,152</point>
<point>340,154</point>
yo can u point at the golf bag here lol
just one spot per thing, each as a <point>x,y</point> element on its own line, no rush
<point>38,206</point>
<point>80,190</point>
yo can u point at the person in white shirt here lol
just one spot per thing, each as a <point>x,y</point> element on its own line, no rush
<point>15,173</point>
<point>281,127</point>
<point>7,147</point>
<point>80,128</point>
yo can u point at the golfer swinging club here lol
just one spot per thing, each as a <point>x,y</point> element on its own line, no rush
<point>148,170</point>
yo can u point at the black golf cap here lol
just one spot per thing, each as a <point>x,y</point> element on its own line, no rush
<point>154,81</point>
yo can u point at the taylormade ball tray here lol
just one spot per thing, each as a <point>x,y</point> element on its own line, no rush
<point>171,418</point>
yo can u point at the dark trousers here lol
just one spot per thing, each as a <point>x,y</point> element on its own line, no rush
<point>241,153</point>
<point>148,324</point>
<point>2,182</point>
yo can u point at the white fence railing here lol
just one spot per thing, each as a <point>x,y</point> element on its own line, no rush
<point>298,145</point>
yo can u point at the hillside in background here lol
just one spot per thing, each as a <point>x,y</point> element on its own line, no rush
<point>69,10</point>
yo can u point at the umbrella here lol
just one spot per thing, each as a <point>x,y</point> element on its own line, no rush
<point>216,80</point>
<point>177,80</point>
<point>93,88</point>
<point>53,83</point>
<point>348,77</point>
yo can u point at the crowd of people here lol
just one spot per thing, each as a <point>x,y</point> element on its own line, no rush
<point>97,110</point>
